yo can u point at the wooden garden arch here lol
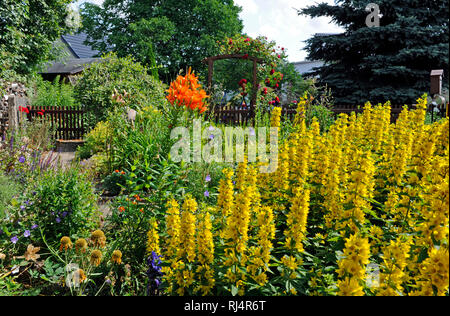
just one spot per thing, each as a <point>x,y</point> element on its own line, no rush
<point>210,61</point>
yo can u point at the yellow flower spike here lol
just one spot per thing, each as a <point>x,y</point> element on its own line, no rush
<point>352,267</point>
<point>173,222</point>
<point>153,238</point>
<point>188,227</point>
<point>275,117</point>
<point>225,199</point>
<point>297,219</point>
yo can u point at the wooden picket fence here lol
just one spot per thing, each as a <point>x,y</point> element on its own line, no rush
<point>237,115</point>
<point>67,122</point>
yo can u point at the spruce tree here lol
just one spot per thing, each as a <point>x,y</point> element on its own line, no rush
<point>391,61</point>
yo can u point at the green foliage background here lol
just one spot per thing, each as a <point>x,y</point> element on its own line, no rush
<point>27,31</point>
<point>179,33</point>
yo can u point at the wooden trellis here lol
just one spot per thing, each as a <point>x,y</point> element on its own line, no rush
<point>210,61</point>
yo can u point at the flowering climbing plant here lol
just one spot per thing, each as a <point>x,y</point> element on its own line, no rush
<point>269,78</point>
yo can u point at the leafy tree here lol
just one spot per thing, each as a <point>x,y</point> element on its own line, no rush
<point>28,30</point>
<point>389,62</point>
<point>179,33</point>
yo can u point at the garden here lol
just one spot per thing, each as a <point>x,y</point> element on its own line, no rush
<point>353,205</point>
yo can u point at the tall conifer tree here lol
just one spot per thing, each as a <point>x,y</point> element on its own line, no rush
<point>390,62</point>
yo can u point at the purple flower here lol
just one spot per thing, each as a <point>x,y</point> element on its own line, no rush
<point>22,159</point>
<point>34,226</point>
<point>154,273</point>
<point>211,136</point>
<point>211,128</point>
<point>22,207</point>
<point>252,131</point>
<point>26,233</point>
<point>206,194</point>
<point>64,214</point>
<point>208,178</point>
<point>14,239</point>
<point>58,220</point>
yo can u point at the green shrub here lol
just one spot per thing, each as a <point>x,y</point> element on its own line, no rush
<point>95,141</point>
<point>101,81</point>
<point>64,204</point>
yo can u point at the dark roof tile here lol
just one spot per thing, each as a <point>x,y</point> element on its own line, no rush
<point>76,44</point>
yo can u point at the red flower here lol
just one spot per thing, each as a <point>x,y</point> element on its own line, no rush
<point>242,83</point>
<point>247,40</point>
<point>40,113</point>
<point>277,86</point>
<point>279,56</point>
<point>245,56</point>
<point>272,71</point>
<point>24,109</point>
<point>277,99</point>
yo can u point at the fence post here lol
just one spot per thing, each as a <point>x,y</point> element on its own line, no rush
<point>13,110</point>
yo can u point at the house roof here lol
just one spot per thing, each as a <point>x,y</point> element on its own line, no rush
<point>71,66</point>
<point>81,55</point>
<point>307,66</point>
<point>327,34</point>
<point>76,45</point>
